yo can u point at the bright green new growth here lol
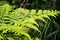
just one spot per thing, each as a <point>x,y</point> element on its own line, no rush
<point>18,22</point>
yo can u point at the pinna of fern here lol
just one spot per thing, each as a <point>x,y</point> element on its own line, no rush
<point>20,21</point>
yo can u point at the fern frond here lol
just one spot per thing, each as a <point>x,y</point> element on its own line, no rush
<point>21,20</point>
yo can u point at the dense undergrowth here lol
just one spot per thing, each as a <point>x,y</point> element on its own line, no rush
<point>24,24</point>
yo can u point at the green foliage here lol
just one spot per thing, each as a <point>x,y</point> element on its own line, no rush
<point>49,30</point>
<point>16,24</point>
<point>32,4</point>
<point>3,2</point>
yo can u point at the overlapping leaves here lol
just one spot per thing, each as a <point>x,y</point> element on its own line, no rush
<point>20,21</point>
